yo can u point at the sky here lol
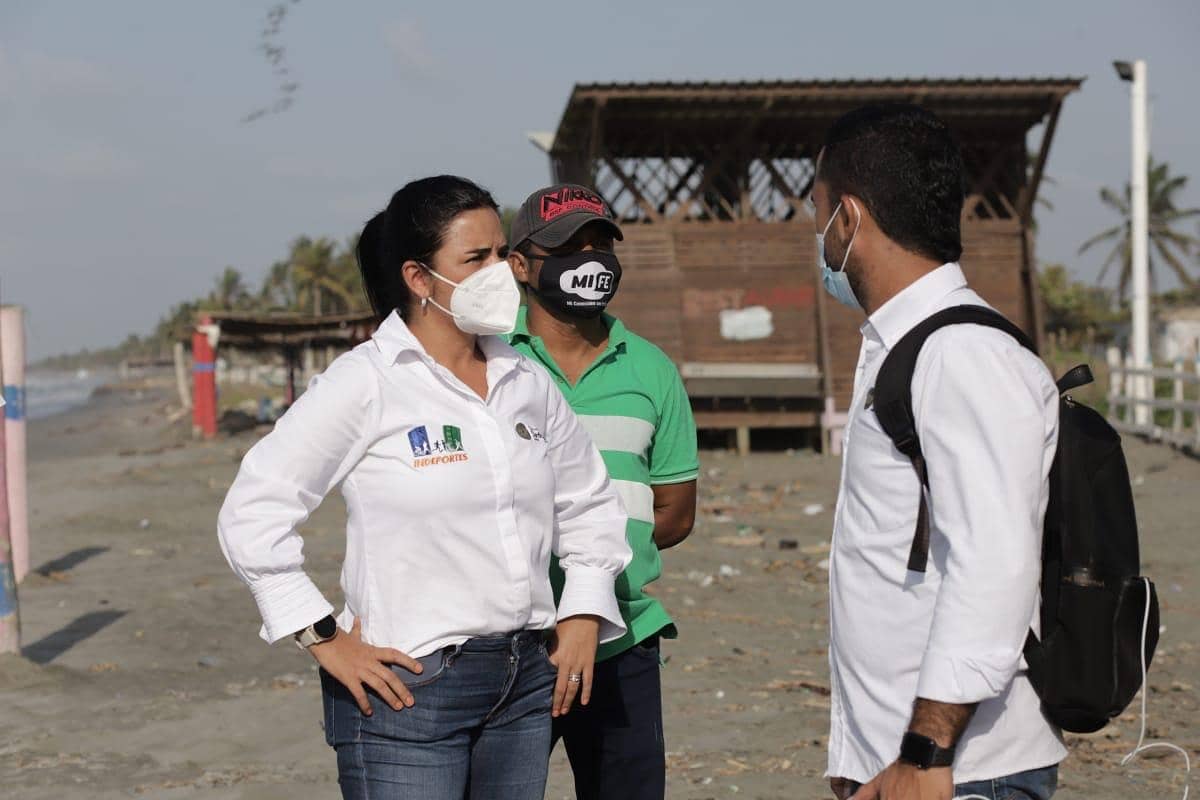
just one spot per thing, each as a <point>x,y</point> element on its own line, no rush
<point>128,179</point>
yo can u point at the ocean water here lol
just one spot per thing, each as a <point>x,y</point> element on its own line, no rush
<point>49,392</point>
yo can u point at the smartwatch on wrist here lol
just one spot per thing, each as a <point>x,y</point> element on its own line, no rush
<point>924,753</point>
<point>320,631</point>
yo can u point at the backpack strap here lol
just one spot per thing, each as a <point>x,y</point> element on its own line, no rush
<point>892,398</point>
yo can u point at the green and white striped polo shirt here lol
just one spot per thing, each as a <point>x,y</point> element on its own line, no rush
<point>632,402</point>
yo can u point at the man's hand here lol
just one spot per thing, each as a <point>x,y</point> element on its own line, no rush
<point>842,788</point>
<point>903,781</point>
<point>357,665</point>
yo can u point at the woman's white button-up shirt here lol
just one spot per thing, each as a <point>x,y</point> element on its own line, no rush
<point>455,503</point>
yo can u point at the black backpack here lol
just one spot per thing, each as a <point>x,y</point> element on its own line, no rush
<point>1096,611</point>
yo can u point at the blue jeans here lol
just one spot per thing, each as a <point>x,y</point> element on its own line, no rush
<point>1034,784</point>
<point>480,726</point>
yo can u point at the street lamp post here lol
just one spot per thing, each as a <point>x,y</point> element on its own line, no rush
<point>1135,73</point>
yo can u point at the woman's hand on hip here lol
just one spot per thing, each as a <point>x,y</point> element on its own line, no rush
<point>358,665</point>
<point>573,652</point>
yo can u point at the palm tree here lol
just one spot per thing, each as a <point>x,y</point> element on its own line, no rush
<point>230,291</point>
<point>278,291</point>
<point>314,273</point>
<point>1171,246</point>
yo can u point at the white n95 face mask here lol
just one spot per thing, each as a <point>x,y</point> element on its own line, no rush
<point>484,303</point>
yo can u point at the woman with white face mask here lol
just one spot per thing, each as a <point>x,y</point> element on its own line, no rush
<point>463,469</point>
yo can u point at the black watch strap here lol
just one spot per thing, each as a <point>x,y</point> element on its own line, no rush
<point>924,753</point>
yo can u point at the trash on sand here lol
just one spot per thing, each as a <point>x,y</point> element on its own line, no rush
<point>812,509</point>
<point>753,540</point>
<point>788,544</point>
<point>726,571</point>
<point>144,524</point>
<point>823,564</point>
<point>209,661</point>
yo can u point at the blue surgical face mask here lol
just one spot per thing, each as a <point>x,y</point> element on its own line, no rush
<point>837,283</point>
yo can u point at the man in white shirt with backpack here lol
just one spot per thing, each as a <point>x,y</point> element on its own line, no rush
<point>931,699</point>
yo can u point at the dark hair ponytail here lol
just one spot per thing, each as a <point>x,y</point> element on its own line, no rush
<point>411,229</point>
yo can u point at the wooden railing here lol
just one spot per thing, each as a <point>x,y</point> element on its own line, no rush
<point>1170,397</point>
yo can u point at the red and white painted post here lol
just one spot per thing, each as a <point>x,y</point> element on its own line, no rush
<point>204,380</point>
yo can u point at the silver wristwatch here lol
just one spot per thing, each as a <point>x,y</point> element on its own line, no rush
<point>320,631</point>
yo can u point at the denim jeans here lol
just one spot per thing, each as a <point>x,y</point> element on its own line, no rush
<point>480,726</point>
<point>615,742</point>
<point>1034,784</point>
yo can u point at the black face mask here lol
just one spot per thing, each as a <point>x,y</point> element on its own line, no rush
<point>580,284</point>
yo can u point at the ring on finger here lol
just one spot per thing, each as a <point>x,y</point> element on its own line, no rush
<point>575,677</point>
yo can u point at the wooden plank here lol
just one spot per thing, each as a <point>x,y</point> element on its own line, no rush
<point>747,370</point>
<point>716,420</point>
<point>754,387</point>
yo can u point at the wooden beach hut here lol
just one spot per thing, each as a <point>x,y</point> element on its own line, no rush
<point>710,182</point>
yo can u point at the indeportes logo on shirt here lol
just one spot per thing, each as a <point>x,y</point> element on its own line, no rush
<point>428,452</point>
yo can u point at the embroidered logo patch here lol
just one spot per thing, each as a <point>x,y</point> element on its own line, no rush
<point>529,433</point>
<point>446,450</point>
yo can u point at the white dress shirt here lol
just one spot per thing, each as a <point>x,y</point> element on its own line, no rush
<point>987,417</point>
<point>454,503</point>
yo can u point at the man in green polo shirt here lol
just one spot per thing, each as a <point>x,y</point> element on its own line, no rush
<point>630,398</point>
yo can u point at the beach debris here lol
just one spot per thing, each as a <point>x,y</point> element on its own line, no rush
<point>141,552</point>
<point>144,524</point>
<point>741,540</point>
<point>720,694</point>
<point>702,578</point>
<point>208,662</point>
<point>788,544</point>
<point>290,680</point>
<point>727,571</point>
<point>689,601</point>
<point>795,686</point>
<point>104,666</point>
<point>823,564</point>
<point>812,509</point>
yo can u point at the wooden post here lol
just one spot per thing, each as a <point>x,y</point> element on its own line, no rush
<point>10,609</point>
<point>1113,356</point>
<point>1196,408</point>
<point>1131,387</point>
<point>12,353</point>
<point>1177,396</point>
<point>289,392</point>
<point>743,441</point>
<point>181,382</point>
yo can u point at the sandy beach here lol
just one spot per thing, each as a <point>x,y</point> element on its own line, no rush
<point>143,675</point>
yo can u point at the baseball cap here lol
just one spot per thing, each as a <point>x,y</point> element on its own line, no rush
<point>550,217</point>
